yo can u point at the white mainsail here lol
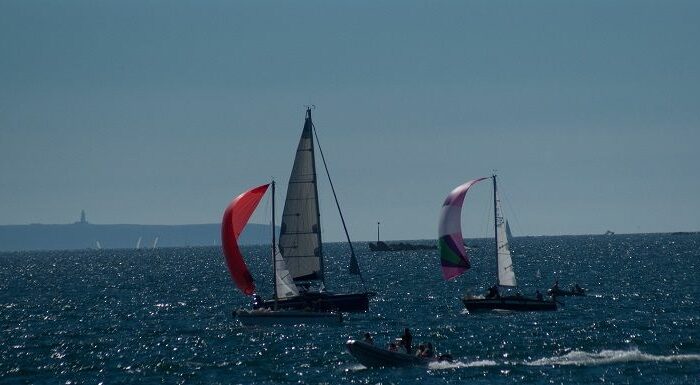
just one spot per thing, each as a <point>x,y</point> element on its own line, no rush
<point>300,232</point>
<point>506,275</point>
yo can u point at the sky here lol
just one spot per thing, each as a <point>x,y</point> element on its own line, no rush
<point>160,112</point>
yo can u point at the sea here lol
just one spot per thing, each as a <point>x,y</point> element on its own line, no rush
<point>164,316</point>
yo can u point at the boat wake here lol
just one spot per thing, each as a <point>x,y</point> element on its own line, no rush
<point>355,368</point>
<point>582,358</point>
<point>459,364</point>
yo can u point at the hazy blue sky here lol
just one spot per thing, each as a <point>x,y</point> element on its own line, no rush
<point>159,112</point>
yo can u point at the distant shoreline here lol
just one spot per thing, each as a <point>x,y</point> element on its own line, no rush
<point>82,236</point>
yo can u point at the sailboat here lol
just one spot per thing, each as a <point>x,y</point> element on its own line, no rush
<point>235,218</point>
<point>454,259</point>
<point>300,243</point>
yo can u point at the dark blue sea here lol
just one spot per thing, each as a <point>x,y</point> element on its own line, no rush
<point>164,316</point>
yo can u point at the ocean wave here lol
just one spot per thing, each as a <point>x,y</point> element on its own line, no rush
<point>583,358</point>
<point>460,364</point>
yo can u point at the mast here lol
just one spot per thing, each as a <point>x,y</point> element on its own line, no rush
<point>274,256</point>
<point>495,224</point>
<point>377,232</point>
<point>318,210</point>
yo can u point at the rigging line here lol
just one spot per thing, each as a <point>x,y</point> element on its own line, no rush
<point>511,210</point>
<point>342,220</point>
<point>485,220</point>
<point>265,212</point>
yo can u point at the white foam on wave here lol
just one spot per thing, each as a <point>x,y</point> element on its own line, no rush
<point>460,364</point>
<point>583,358</point>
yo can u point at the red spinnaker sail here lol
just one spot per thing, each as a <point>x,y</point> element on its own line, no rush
<point>236,217</point>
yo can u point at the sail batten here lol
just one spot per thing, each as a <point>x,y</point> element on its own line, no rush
<point>300,232</point>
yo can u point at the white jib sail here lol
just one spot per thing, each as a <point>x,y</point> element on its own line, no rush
<point>283,280</point>
<point>506,274</point>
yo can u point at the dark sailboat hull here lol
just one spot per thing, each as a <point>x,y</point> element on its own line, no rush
<point>508,303</point>
<point>353,303</point>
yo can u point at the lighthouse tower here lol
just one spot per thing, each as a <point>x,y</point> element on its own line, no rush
<point>83,220</point>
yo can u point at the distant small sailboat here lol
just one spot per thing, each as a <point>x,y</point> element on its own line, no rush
<point>538,274</point>
<point>508,232</point>
<point>455,262</point>
<point>235,218</point>
<point>98,245</point>
<point>155,243</point>
<point>138,243</point>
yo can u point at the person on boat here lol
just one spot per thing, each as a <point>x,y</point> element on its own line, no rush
<point>493,292</point>
<point>578,289</point>
<point>420,350</point>
<point>428,352</point>
<point>393,347</point>
<point>554,291</point>
<point>368,339</point>
<point>406,340</point>
<point>538,295</point>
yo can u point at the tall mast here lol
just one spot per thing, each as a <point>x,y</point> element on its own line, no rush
<point>274,246</point>
<point>495,224</point>
<point>318,211</point>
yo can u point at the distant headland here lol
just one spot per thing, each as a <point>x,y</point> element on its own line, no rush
<point>85,235</point>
